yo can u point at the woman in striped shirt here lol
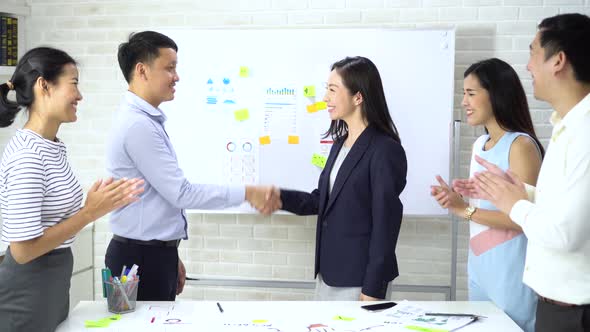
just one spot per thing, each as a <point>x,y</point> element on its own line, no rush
<point>40,198</point>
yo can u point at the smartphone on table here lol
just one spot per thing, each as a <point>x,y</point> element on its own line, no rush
<point>379,306</point>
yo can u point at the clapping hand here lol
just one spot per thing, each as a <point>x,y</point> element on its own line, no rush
<point>447,198</point>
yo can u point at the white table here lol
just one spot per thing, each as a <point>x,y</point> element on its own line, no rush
<point>267,316</point>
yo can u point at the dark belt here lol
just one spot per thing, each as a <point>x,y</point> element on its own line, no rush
<point>559,303</point>
<point>153,243</point>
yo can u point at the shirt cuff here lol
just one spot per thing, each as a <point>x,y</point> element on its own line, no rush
<point>520,211</point>
<point>530,191</point>
<point>237,195</point>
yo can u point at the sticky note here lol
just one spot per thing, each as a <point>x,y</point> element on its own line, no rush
<point>318,160</point>
<point>259,321</point>
<point>293,139</point>
<point>309,91</point>
<point>104,322</point>
<point>97,323</point>
<point>244,71</point>
<point>242,115</point>
<point>321,105</point>
<point>264,140</point>
<point>346,319</point>
<point>312,108</point>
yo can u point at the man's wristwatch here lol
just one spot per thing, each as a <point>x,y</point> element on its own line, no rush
<point>469,211</point>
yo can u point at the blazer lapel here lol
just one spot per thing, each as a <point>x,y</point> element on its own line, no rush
<point>325,189</point>
<point>354,156</point>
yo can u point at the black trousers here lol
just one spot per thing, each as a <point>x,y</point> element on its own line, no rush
<point>554,318</point>
<point>158,268</point>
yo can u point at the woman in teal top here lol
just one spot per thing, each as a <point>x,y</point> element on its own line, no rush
<point>494,98</point>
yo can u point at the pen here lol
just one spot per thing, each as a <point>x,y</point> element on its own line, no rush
<point>219,306</point>
<point>450,314</point>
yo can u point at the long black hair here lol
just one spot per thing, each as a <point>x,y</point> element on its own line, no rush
<point>38,62</point>
<point>360,75</point>
<point>507,96</point>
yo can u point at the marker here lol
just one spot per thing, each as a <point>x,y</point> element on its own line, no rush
<point>133,271</point>
<point>106,276</point>
<point>220,308</point>
<point>153,320</point>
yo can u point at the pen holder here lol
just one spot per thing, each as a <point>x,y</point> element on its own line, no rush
<point>121,297</point>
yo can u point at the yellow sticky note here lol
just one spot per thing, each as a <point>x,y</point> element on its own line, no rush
<point>321,105</point>
<point>264,140</point>
<point>346,319</point>
<point>259,321</point>
<point>242,115</point>
<point>318,160</point>
<point>312,108</point>
<point>293,139</point>
<point>309,91</point>
<point>244,71</point>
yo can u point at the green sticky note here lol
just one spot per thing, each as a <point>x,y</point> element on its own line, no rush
<point>318,160</point>
<point>309,91</point>
<point>97,323</point>
<point>244,71</point>
<point>424,329</point>
<point>346,319</point>
<point>242,115</point>
<point>103,322</point>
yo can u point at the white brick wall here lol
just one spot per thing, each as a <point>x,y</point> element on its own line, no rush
<point>280,247</point>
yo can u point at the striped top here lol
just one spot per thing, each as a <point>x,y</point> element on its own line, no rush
<point>37,187</point>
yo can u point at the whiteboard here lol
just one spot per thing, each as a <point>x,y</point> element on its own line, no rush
<point>241,116</point>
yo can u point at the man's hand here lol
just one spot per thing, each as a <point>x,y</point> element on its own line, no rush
<point>499,191</point>
<point>181,277</point>
<point>264,199</point>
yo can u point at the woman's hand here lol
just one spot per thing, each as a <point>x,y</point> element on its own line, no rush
<point>108,195</point>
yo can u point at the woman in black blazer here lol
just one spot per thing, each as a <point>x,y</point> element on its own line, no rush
<point>357,199</point>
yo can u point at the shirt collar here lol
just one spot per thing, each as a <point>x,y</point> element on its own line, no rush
<point>571,118</point>
<point>140,104</point>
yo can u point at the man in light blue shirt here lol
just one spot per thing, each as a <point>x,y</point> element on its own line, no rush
<point>148,233</point>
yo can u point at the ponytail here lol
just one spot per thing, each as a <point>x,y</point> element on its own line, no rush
<point>8,109</point>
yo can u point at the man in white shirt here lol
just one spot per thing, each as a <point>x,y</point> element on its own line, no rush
<point>555,216</point>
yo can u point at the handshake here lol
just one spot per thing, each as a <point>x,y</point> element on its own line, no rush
<point>265,199</point>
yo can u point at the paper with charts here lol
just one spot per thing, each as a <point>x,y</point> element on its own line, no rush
<point>186,316</point>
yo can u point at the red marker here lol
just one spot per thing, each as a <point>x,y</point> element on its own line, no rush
<point>153,319</point>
